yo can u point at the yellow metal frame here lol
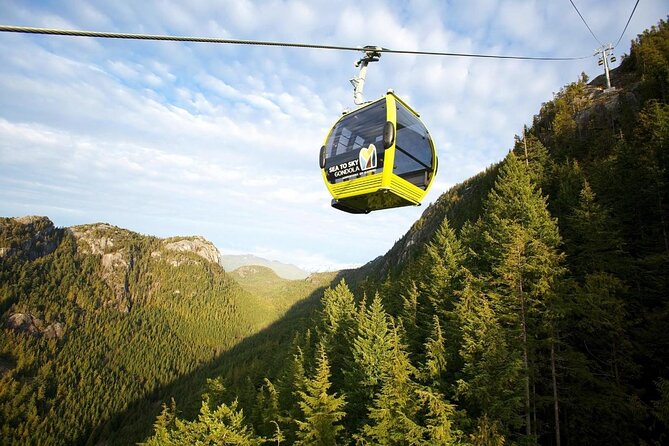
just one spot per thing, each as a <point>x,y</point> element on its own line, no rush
<point>385,182</point>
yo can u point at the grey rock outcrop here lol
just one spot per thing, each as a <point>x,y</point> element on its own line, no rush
<point>28,323</point>
<point>196,244</point>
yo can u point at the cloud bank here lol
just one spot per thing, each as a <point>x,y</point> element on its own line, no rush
<point>222,140</point>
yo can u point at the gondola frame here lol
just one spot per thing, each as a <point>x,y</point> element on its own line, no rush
<point>385,189</point>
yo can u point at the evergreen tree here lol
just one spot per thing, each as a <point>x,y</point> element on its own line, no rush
<point>594,243</point>
<point>221,426</point>
<point>435,355</point>
<point>487,433</point>
<point>521,247</point>
<point>411,319</point>
<point>438,418</point>
<point>372,350</point>
<point>338,322</point>
<point>393,416</point>
<point>267,410</point>
<point>444,257</point>
<point>536,158</point>
<point>321,410</point>
<point>491,369</point>
<point>444,262</point>
<point>372,347</point>
<point>338,314</point>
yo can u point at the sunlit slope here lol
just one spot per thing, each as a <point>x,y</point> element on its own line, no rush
<point>96,317</point>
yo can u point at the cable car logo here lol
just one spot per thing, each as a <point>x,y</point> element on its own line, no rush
<point>367,157</point>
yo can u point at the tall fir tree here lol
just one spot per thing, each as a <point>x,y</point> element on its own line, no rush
<point>444,265</point>
<point>322,410</point>
<point>443,262</point>
<point>394,413</point>
<point>372,347</point>
<point>521,247</point>
<point>338,325</point>
<point>594,241</point>
<point>435,356</point>
<point>224,425</point>
<point>267,412</point>
<point>491,368</point>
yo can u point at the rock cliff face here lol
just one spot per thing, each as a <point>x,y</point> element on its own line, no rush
<point>196,244</point>
<point>96,238</point>
<point>106,241</point>
<point>29,323</point>
<point>28,238</point>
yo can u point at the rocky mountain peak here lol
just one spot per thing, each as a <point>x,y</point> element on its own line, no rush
<point>195,244</point>
<point>29,237</point>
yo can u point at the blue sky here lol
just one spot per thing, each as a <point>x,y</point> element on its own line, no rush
<point>222,140</point>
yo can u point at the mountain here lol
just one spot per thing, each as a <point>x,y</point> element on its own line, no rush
<point>96,317</point>
<point>528,305</point>
<point>291,272</point>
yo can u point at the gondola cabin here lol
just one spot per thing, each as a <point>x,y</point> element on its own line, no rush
<point>378,156</point>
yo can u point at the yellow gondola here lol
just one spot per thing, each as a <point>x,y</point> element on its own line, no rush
<point>378,156</point>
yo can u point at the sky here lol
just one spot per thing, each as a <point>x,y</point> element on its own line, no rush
<point>222,141</point>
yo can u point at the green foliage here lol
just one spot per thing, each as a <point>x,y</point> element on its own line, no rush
<point>221,426</point>
<point>649,58</point>
<point>393,415</point>
<point>491,369</point>
<point>321,410</point>
<point>143,315</point>
<point>435,354</point>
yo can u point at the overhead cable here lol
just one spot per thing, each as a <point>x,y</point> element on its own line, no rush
<point>627,24</point>
<point>586,23</point>
<point>114,35</point>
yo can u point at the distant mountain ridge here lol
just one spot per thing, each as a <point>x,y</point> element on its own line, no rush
<point>231,262</point>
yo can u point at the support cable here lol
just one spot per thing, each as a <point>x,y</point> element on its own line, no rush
<point>114,35</point>
<point>627,24</point>
<point>586,23</point>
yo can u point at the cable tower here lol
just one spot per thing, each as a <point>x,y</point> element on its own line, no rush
<point>605,53</point>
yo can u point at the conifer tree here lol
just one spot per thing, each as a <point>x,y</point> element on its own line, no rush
<point>594,243</point>
<point>372,347</point>
<point>535,156</point>
<point>522,242</point>
<point>321,410</point>
<point>338,322</point>
<point>435,355</point>
<point>444,257</point>
<point>221,426</point>
<point>444,262</point>
<point>438,418</point>
<point>393,416</point>
<point>490,367</point>
<point>487,433</point>
<point>338,313</point>
<point>372,350</point>
<point>266,410</point>
<point>409,316</point>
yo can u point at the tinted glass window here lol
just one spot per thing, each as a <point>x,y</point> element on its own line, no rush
<point>354,132</point>
<point>413,154</point>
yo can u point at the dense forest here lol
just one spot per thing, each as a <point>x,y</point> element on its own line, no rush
<point>97,317</point>
<point>527,306</point>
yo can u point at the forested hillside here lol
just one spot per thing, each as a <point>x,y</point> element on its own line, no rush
<point>96,318</point>
<point>527,306</point>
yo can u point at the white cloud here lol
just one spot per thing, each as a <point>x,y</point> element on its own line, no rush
<point>222,140</point>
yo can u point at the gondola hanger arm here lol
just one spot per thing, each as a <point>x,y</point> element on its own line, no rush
<point>372,54</point>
